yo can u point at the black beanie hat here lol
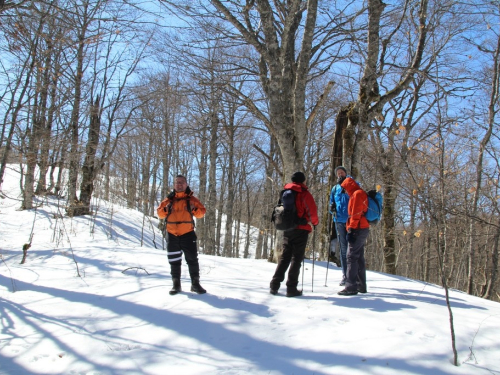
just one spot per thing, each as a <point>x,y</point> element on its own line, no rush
<point>340,167</point>
<point>298,177</point>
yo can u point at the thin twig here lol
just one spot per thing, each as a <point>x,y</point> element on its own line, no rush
<point>10,273</point>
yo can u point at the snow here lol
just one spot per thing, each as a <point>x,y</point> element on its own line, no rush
<point>116,319</point>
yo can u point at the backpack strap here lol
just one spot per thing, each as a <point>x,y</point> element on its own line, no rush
<point>188,206</point>
<point>281,194</point>
<point>172,198</point>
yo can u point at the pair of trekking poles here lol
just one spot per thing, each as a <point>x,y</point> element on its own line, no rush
<point>329,253</point>
<point>303,264</point>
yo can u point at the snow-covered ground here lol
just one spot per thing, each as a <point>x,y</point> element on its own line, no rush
<point>91,300</point>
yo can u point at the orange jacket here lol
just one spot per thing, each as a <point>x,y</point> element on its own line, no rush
<point>180,221</point>
<point>358,205</point>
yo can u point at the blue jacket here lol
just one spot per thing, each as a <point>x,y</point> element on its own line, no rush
<point>341,199</point>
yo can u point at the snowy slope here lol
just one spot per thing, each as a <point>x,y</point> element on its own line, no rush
<point>118,318</point>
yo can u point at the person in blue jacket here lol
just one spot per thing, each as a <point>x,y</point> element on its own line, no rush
<point>339,200</point>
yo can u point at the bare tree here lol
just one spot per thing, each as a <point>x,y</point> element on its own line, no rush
<point>489,46</point>
<point>84,16</point>
<point>26,42</point>
<point>289,45</point>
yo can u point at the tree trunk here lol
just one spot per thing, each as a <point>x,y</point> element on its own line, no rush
<point>212,185</point>
<point>27,69</point>
<point>283,72</point>
<point>74,154</point>
<point>369,103</point>
<point>131,177</point>
<point>89,169</point>
<point>31,157</point>
<point>228,236</point>
<point>203,172</point>
<point>220,209</point>
<point>492,113</point>
<point>488,289</point>
<point>389,223</point>
<point>61,164</point>
<point>49,89</point>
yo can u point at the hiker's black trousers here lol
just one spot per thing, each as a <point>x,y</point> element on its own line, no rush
<point>183,244</point>
<point>294,247</point>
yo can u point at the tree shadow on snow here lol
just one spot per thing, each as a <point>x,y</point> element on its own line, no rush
<point>272,357</point>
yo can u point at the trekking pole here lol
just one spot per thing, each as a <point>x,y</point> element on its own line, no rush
<point>327,264</point>
<point>314,252</point>
<point>312,279</point>
<point>337,244</point>
<point>328,234</point>
<point>303,270</point>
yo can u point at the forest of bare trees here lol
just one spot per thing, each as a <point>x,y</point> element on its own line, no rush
<point>112,99</point>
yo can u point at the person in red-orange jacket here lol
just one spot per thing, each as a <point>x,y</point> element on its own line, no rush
<point>358,229</point>
<point>178,210</point>
<point>295,240</point>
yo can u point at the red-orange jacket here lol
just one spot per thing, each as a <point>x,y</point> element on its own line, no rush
<point>179,221</point>
<point>358,205</point>
<point>305,204</point>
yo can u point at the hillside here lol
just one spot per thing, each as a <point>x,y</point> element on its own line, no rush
<point>91,300</point>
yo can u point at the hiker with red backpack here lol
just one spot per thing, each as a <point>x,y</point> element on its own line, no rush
<point>295,239</point>
<point>358,229</point>
<point>178,210</point>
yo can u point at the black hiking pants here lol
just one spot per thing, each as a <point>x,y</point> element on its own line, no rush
<point>183,244</point>
<point>294,247</point>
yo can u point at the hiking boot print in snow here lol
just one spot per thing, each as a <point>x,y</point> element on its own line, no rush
<point>176,287</point>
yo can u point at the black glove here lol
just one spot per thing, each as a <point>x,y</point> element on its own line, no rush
<point>333,207</point>
<point>351,236</point>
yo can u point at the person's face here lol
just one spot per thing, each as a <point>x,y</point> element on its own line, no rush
<point>180,184</point>
<point>341,173</point>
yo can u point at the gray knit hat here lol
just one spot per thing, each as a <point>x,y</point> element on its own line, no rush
<point>340,167</point>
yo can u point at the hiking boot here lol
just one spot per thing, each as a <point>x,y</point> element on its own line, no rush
<point>176,287</point>
<point>334,259</point>
<point>273,291</point>
<point>362,290</point>
<point>196,287</point>
<point>293,293</point>
<point>346,292</point>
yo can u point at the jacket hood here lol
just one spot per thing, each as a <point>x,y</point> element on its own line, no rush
<point>350,185</point>
<point>297,186</point>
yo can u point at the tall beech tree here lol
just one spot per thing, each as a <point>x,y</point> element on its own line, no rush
<point>289,46</point>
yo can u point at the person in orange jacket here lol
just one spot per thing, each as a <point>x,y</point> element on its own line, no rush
<point>358,229</point>
<point>295,240</point>
<point>178,210</point>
